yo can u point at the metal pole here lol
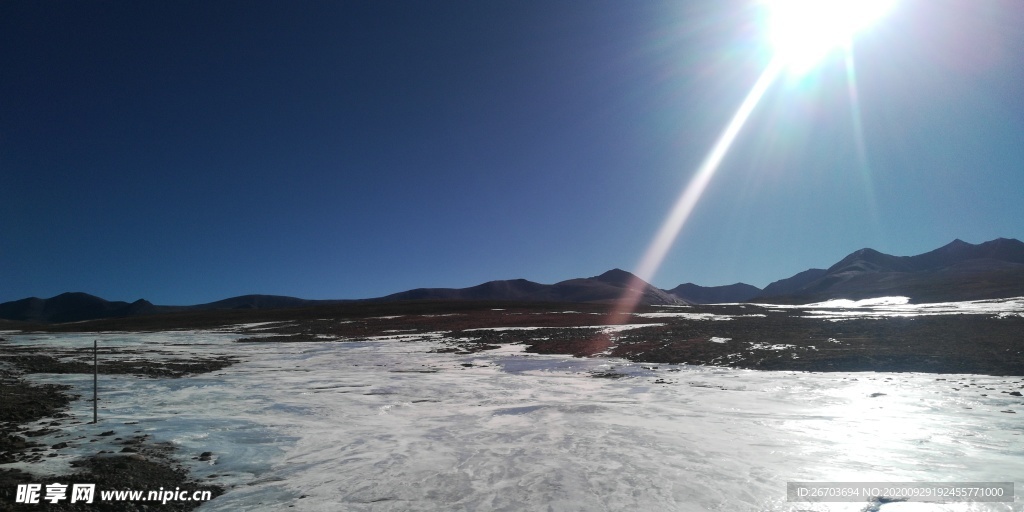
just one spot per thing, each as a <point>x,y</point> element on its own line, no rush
<point>95,381</point>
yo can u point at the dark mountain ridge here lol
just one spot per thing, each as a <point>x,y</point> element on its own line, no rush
<point>72,307</point>
<point>696,294</point>
<point>262,302</point>
<point>957,251</point>
<point>790,285</point>
<point>607,287</point>
<point>956,271</point>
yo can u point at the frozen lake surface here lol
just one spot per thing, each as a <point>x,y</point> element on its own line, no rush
<point>387,424</point>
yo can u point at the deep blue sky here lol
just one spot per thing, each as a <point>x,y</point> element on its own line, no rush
<point>185,152</point>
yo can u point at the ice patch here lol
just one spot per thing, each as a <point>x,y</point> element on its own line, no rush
<point>766,346</point>
<point>716,339</point>
<point>887,307</point>
<point>602,328</point>
<point>697,316</point>
<point>688,316</point>
<point>403,337</point>
<point>1005,314</point>
<point>504,329</point>
<point>256,326</point>
<point>623,327</point>
<point>847,303</point>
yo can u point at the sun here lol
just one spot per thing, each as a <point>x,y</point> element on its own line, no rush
<point>803,32</point>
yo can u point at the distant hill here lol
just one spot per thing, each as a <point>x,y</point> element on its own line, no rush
<point>514,289</point>
<point>72,307</point>
<point>791,285</point>
<point>606,287</point>
<point>77,307</point>
<point>263,302</point>
<point>956,271</point>
<point>695,294</point>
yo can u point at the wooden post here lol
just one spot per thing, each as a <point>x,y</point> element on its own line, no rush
<point>95,382</point>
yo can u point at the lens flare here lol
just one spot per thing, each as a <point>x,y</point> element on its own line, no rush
<point>802,32</point>
<point>684,206</point>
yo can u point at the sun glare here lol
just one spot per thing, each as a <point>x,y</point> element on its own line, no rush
<point>805,31</point>
<point>802,33</point>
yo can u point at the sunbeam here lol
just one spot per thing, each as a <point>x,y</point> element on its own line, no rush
<point>858,133</point>
<point>687,201</point>
<point>802,33</point>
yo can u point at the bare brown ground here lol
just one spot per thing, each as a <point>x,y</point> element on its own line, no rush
<point>773,340</point>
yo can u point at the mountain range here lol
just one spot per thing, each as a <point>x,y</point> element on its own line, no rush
<point>956,271</point>
<point>607,287</point>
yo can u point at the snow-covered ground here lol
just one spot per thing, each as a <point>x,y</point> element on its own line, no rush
<point>883,307</point>
<point>386,424</point>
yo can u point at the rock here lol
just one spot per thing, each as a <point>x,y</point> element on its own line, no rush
<point>60,445</point>
<point>40,432</point>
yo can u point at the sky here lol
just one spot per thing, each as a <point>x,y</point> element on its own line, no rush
<point>184,152</point>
